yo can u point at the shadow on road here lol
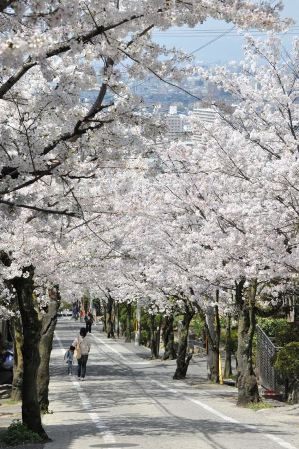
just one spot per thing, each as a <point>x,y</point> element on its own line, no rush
<point>133,426</point>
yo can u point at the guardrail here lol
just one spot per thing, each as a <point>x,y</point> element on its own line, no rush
<point>265,352</point>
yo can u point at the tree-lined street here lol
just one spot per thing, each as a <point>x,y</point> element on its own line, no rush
<point>169,214</point>
<point>128,401</point>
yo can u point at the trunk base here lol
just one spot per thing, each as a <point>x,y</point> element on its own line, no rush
<point>247,390</point>
<point>44,409</point>
<point>181,371</point>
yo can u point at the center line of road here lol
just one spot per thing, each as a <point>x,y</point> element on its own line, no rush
<point>106,434</point>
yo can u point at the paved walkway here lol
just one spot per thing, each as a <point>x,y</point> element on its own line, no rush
<point>130,401</point>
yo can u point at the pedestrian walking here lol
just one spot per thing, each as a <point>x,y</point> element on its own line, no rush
<point>88,321</point>
<point>69,358</point>
<point>82,348</point>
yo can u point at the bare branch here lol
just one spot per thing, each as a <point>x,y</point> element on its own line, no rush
<point>40,209</point>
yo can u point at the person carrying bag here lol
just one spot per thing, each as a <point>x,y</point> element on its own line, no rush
<point>82,348</point>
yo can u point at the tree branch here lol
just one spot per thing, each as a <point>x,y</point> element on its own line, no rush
<point>57,50</point>
<point>40,209</point>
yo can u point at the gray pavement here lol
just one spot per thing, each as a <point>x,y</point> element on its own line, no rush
<point>129,401</point>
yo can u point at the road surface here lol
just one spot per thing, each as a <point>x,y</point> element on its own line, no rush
<point>128,401</point>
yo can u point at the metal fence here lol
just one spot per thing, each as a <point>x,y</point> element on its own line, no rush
<point>265,352</point>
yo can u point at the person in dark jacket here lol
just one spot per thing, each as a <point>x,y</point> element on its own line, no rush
<point>88,322</point>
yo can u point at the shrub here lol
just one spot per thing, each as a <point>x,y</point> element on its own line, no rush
<point>286,363</point>
<point>197,325</point>
<point>18,433</point>
<point>280,330</point>
<point>144,337</point>
<point>287,360</point>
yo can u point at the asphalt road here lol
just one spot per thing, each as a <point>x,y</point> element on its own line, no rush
<point>128,401</point>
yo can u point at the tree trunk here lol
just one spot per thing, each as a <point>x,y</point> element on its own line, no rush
<point>49,320</point>
<point>246,378</point>
<point>213,333</point>
<point>183,359</point>
<point>137,326</point>
<point>110,318</point>
<point>154,337</point>
<point>158,334</point>
<point>117,320</point>
<point>104,317</point>
<point>24,287</point>
<point>228,349</point>
<point>17,383</point>
<point>168,338</point>
<point>129,324</point>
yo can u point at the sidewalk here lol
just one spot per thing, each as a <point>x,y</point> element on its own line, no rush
<point>8,410</point>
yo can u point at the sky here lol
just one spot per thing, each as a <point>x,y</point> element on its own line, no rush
<point>228,43</point>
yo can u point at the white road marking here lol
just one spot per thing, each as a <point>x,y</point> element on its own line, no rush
<point>226,418</point>
<point>109,347</point>
<point>279,441</point>
<point>197,402</point>
<point>108,437</point>
<point>214,412</point>
<point>117,352</point>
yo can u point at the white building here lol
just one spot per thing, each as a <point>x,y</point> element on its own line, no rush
<point>176,123</point>
<point>206,115</point>
<point>202,115</point>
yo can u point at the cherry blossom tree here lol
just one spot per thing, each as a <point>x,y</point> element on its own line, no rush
<point>223,215</point>
<point>52,145</point>
<point>253,166</point>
